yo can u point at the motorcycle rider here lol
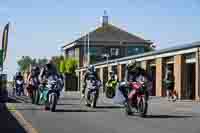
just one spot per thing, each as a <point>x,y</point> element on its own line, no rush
<point>33,78</point>
<point>169,84</point>
<point>49,70</point>
<point>90,74</point>
<point>112,76</point>
<point>111,85</point>
<point>18,76</point>
<point>134,73</point>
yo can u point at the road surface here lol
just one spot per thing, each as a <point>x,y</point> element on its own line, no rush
<point>71,117</point>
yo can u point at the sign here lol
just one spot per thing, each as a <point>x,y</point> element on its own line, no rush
<point>1,59</point>
<point>5,41</point>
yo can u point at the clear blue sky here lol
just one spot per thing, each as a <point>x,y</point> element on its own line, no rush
<point>38,25</point>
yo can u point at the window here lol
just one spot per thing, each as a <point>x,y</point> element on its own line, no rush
<point>114,51</point>
<point>93,51</point>
<point>93,54</point>
<point>71,52</point>
<point>132,50</point>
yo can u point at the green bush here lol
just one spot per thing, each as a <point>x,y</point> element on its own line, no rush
<point>68,65</point>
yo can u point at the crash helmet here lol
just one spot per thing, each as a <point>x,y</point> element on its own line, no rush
<point>18,73</point>
<point>35,70</point>
<point>112,75</point>
<point>132,64</point>
<point>91,68</point>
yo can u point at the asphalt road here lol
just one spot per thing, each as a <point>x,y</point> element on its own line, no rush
<point>71,117</point>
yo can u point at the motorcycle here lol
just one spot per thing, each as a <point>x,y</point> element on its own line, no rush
<point>92,92</point>
<point>110,88</point>
<point>49,93</point>
<point>19,87</point>
<point>32,90</point>
<point>32,93</point>
<point>137,99</point>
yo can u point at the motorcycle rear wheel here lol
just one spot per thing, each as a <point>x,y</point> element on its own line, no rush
<point>142,107</point>
<point>94,100</point>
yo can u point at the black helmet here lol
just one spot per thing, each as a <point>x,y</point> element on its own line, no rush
<point>111,72</point>
<point>112,75</point>
<point>19,73</point>
<point>35,70</point>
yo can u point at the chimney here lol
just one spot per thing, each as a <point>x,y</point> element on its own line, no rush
<point>105,19</point>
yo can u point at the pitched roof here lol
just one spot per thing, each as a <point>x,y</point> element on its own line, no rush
<point>111,33</point>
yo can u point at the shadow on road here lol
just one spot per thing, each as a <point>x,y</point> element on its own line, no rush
<point>70,98</point>
<point>8,123</point>
<point>21,99</point>
<point>70,104</point>
<point>31,109</point>
<point>167,116</point>
<point>78,110</point>
<point>12,100</point>
<point>109,107</point>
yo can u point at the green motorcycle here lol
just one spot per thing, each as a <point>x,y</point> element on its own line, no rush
<point>48,94</point>
<point>110,88</point>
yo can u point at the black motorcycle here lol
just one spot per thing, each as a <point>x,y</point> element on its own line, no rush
<point>92,93</point>
<point>19,87</point>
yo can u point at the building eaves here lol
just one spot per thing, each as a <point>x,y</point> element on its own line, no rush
<point>161,51</point>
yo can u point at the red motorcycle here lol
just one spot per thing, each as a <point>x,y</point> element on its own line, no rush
<point>137,99</point>
<point>32,88</point>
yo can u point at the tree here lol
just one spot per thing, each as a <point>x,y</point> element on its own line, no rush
<point>24,63</point>
<point>42,62</point>
<point>57,61</point>
<point>68,65</point>
<point>150,49</point>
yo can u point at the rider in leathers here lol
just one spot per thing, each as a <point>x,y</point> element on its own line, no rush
<point>18,76</point>
<point>50,70</point>
<point>33,78</point>
<point>90,74</point>
<point>134,73</point>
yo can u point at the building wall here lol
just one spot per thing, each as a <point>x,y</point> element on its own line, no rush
<point>197,76</point>
<point>101,48</point>
<point>178,62</point>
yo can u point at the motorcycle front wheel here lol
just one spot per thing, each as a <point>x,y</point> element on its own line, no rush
<point>94,99</point>
<point>19,92</point>
<point>87,98</point>
<point>53,102</point>
<point>36,97</point>
<point>33,96</point>
<point>128,109</point>
<point>110,92</point>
